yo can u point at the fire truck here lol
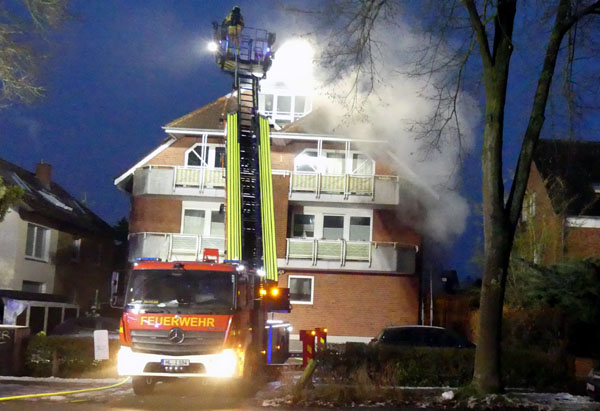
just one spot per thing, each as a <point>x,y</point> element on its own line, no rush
<point>210,318</point>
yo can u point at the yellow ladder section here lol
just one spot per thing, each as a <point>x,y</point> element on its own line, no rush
<point>233,194</point>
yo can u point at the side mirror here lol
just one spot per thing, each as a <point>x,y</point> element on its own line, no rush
<point>117,290</point>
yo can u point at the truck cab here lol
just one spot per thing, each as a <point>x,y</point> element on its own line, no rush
<point>189,319</point>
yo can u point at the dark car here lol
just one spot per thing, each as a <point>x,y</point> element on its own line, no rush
<point>592,386</point>
<point>420,336</point>
<point>85,327</point>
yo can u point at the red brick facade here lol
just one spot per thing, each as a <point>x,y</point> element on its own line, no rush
<point>355,304</point>
<point>151,214</point>
<point>349,304</point>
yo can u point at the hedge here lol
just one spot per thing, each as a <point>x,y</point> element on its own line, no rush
<point>429,367</point>
<point>70,356</point>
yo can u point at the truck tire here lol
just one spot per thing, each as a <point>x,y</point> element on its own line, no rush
<point>143,385</point>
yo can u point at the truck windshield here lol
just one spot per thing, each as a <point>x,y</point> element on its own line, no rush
<point>165,290</point>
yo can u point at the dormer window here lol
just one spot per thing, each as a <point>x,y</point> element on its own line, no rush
<point>285,108</point>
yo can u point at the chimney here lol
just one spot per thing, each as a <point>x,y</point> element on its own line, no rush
<point>43,172</point>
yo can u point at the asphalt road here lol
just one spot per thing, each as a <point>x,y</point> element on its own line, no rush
<point>177,395</point>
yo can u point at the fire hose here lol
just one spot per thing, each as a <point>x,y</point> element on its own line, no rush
<point>51,394</point>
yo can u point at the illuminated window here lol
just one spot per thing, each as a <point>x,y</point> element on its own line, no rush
<point>301,289</point>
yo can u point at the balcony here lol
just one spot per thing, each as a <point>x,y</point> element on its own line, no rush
<point>349,255</point>
<point>172,246</point>
<point>176,180</point>
<point>344,188</point>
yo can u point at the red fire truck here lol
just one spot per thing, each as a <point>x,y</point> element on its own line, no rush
<point>211,319</point>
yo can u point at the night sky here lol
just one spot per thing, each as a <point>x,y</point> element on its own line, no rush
<point>119,71</point>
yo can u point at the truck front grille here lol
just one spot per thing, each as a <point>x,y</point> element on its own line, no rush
<point>194,343</point>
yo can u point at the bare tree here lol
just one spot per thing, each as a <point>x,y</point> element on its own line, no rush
<point>467,44</point>
<point>22,25</point>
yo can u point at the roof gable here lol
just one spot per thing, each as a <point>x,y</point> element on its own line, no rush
<point>570,170</point>
<point>210,117</point>
<point>52,203</point>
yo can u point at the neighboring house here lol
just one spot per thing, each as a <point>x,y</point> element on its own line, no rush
<point>54,252</point>
<point>351,264</point>
<point>561,210</point>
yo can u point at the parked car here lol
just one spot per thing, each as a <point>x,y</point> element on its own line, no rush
<point>420,336</point>
<point>85,327</point>
<point>592,386</point>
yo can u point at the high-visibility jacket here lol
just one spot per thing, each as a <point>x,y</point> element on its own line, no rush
<point>233,20</point>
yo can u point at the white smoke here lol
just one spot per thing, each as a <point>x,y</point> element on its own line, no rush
<point>387,113</point>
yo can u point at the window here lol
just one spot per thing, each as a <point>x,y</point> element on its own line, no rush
<point>193,221</point>
<point>194,157</point>
<point>306,161</point>
<point>213,156</point>
<point>33,287</point>
<point>301,289</point>
<point>304,225</point>
<point>360,228</point>
<point>37,242</point>
<point>361,164</point>
<point>268,102</point>
<point>76,249</point>
<point>299,103</point>
<point>217,224</point>
<point>528,210</point>
<point>219,157</point>
<point>333,227</point>
<point>335,162</point>
<point>284,105</point>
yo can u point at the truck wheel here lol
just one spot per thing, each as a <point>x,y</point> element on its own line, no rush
<point>143,385</point>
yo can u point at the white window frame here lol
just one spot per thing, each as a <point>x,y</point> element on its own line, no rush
<point>291,116</point>
<point>345,227</point>
<point>321,212</point>
<point>370,226</point>
<point>208,208</point>
<point>322,159</point>
<point>46,257</point>
<point>314,224</point>
<point>210,160</point>
<point>312,289</point>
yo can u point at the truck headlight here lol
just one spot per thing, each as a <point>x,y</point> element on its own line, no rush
<point>225,364</point>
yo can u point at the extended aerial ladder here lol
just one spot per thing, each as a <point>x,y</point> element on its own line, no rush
<point>250,222</point>
<point>249,210</point>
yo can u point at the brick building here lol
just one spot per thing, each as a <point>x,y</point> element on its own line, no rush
<point>561,210</point>
<point>350,263</point>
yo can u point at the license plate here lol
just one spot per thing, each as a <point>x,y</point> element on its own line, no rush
<point>175,362</point>
<point>590,387</point>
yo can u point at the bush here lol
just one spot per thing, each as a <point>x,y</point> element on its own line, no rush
<point>71,356</point>
<point>426,366</point>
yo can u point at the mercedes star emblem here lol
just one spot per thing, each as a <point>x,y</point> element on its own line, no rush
<point>176,335</point>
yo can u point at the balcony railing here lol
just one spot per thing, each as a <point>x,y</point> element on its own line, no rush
<point>200,177</point>
<point>179,180</point>
<point>337,250</point>
<point>172,246</point>
<point>350,255</point>
<point>380,189</point>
